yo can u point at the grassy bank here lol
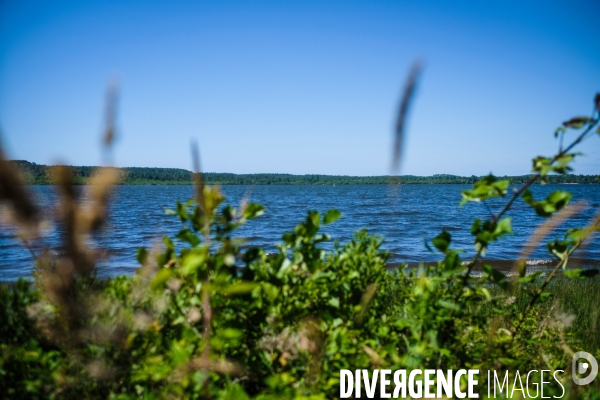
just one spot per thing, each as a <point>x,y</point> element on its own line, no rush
<point>571,302</point>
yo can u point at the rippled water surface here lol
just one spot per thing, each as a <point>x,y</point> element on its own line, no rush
<point>404,215</point>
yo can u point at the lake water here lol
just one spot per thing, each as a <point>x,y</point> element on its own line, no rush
<point>403,215</point>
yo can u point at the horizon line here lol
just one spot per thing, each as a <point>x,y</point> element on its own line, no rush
<point>285,173</point>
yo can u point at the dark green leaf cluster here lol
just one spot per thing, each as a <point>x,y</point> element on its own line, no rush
<point>485,188</point>
<point>553,203</point>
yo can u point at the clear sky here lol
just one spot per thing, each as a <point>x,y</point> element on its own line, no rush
<point>298,86</point>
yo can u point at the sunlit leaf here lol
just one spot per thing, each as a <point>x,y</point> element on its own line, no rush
<point>253,210</point>
<point>577,122</point>
<point>239,288</point>
<point>331,216</point>
<point>442,241</point>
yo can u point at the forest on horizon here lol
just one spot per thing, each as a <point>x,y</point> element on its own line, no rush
<point>39,174</point>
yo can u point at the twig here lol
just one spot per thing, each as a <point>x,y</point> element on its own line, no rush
<point>199,186</point>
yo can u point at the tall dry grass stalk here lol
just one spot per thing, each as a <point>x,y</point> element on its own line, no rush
<point>67,278</point>
<point>407,98</point>
<point>542,231</point>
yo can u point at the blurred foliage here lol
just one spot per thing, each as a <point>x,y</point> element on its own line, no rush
<point>205,316</point>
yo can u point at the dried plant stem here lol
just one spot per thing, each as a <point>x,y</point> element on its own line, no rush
<point>544,229</point>
<point>407,96</point>
<point>204,362</point>
<point>199,186</point>
<point>29,247</point>
<point>207,322</point>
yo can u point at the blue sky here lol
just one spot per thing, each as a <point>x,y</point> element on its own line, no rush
<point>298,87</point>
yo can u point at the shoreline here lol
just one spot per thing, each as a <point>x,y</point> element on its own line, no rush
<point>299,184</point>
<point>506,266</point>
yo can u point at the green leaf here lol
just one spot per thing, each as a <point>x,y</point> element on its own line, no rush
<point>560,165</point>
<point>239,288</point>
<point>181,212</point>
<point>504,227</point>
<point>572,273</point>
<point>234,392</point>
<point>580,234</point>
<point>559,248</point>
<point>331,216</point>
<point>442,241</point>
<point>228,213</point>
<point>530,278</point>
<point>142,255</point>
<point>577,122</point>
<point>253,210</point>
<point>476,227</point>
<point>161,278</point>
<point>192,261</point>
<point>486,188</point>
<point>489,232</point>
<point>580,273</point>
<point>185,235</point>
<point>449,305</point>
<point>452,261</point>
<point>543,165</point>
<point>496,276</point>
<point>314,219</point>
<point>168,242</point>
<point>289,238</point>
<point>334,302</point>
<point>553,203</point>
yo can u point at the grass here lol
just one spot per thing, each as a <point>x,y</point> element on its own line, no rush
<point>574,302</point>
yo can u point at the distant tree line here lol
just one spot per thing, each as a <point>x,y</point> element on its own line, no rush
<point>37,174</point>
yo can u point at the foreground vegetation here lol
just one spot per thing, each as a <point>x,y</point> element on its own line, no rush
<point>279,329</point>
<point>202,318</point>
<point>36,174</point>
